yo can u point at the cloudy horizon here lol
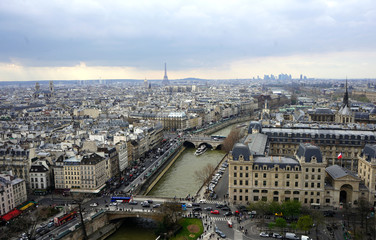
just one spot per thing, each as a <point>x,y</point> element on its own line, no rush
<point>57,40</point>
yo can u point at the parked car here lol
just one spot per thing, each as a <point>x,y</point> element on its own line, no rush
<point>277,235</point>
<point>214,212</point>
<point>195,204</point>
<point>133,203</point>
<point>264,234</point>
<point>208,208</point>
<point>156,205</point>
<point>50,224</point>
<point>93,204</point>
<point>291,236</point>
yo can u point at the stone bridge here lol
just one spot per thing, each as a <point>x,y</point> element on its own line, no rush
<point>197,141</point>
<point>155,215</point>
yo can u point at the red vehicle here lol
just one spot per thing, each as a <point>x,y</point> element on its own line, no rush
<point>214,212</point>
<point>63,219</point>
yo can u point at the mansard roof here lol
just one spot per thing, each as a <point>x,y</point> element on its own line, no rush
<point>254,125</point>
<point>308,151</point>
<point>369,151</point>
<point>240,149</point>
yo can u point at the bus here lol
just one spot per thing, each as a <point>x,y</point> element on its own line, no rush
<point>120,199</point>
<point>63,219</point>
<point>217,137</point>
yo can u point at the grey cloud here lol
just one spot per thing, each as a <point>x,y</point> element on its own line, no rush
<point>186,33</point>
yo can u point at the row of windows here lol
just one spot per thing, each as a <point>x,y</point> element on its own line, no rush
<point>36,180</point>
<point>326,136</point>
<point>37,185</point>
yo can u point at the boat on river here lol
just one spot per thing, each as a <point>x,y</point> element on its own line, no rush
<point>201,150</point>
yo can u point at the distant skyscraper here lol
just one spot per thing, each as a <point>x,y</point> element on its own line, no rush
<point>146,85</point>
<point>165,78</point>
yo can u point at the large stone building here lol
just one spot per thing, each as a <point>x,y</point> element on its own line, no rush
<point>332,140</point>
<point>304,173</point>
<point>367,170</point>
<point>270,178</point>
<point>83,174</point>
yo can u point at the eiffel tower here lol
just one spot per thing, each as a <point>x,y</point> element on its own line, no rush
<point>165,81</point>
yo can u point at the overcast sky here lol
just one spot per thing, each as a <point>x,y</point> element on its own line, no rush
<point>47,39</point>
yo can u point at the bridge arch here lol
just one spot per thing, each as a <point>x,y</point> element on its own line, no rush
<point>189,144</point>
<point>209,146</point>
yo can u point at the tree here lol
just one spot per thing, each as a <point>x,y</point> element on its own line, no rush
<point>291,208</point>
<point>318,220</point>
<point>305,223</point>
<point>281,223</point>
<point>79,199</point>
<point>364,208</point>
<point>172,213</point>
<point>232,138</point>
<point>204,175</point>
<point>275,207</point>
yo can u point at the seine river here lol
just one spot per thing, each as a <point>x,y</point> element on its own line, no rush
<point>178,181</point>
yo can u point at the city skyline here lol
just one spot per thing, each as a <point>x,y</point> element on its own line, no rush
<point>200,39</point>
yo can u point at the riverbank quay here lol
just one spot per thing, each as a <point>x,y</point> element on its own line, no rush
<point>222,124</point>
<point>154,179</point>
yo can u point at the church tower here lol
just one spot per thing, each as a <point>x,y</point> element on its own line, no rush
<point>37,86</point>
<point>165,81</point>
<point>51,86</point>
<point>344,114</point>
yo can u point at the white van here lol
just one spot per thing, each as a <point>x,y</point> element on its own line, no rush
<point>305,238</point>
<point>291,236</point>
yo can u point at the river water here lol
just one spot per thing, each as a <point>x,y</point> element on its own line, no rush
<point>178,181</point>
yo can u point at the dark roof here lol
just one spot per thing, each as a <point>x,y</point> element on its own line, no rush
<point>323,111</point>
<point>38,168</point>
<point>308,151</point>
<point>361,115</point>
<point>336,172</point>
<point>369,151</point>
<point>271,162</point>
<point>240,149</point>
<point>91,159</point>
<point>373,111</point>
<point>254,125</point>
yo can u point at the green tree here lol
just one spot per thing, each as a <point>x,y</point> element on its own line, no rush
<point>305,223</point>
<point>281,223</point>
<point>271,225</point>
<point>291,208</point>
<point>275,207</point>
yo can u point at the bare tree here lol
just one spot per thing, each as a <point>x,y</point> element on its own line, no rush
<point>232,138</point>
<point>204,175</point>
<point>79,198</point>
<point>172,212</point>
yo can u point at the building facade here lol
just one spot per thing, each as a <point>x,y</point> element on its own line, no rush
<point>270,178</point>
